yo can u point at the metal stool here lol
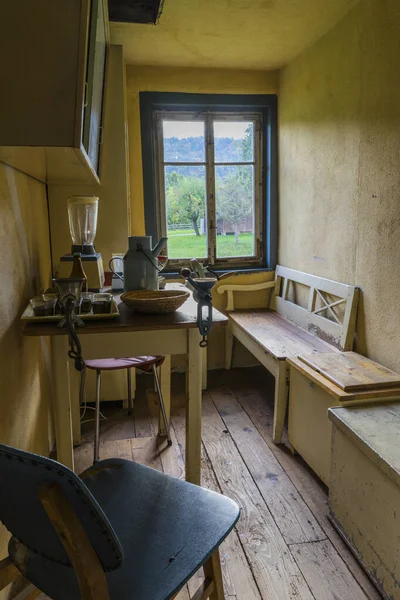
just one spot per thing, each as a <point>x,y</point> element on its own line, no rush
<point>143,363</point>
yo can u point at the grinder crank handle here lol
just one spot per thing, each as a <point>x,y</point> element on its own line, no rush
<point>201,292</point>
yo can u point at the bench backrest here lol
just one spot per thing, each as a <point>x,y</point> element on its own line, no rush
<point>323,307</point>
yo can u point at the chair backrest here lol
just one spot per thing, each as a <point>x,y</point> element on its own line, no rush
<point>21,476</point>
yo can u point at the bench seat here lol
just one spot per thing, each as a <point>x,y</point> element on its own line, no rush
<point>276,335</point>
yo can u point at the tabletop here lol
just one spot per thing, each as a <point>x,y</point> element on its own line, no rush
<point>183,318</point>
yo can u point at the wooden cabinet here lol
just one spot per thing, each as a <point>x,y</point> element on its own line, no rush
<point>364,495</point>
<point>96,62</point>
<point>321,381</point>
<point>52,62</point>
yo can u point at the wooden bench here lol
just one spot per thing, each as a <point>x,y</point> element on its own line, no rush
<point>306,314</point>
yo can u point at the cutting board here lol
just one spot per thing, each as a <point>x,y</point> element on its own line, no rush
<point>352,372</point>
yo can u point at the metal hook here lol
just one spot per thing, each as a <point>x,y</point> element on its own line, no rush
<point>204,342</point>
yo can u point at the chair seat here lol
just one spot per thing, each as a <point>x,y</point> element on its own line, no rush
<point>167,527</point>
<point>144,363</point>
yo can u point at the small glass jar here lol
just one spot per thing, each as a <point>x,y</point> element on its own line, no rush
<point>87,302</point>
<point>102,303</point>
<point>44,306</point>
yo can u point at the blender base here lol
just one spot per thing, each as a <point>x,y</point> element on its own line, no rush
<point>92,265</point>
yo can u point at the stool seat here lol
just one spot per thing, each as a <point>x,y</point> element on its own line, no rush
<point>144,363</point>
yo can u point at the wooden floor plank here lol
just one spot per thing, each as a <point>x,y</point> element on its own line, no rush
<point>325,572</point>
<point>171,457</point>
<point>124,427</point>
<point>183,594</point>
<point>88,425</point>
<point>239,582</point>
<point>83,456</point>
<point>251,397</point>
<point>275,571</point>
<point>146,452</point>
<point>108,449</point>
<point>141,413</point>
<point>113,448</point>
<point>292,515</point>
<point>117,425</point>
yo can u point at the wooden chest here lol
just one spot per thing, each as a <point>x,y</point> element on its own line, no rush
<point>364,494</point>
<point>321,381</point>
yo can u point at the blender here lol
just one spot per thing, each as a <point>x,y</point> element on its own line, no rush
<point>82,217</point>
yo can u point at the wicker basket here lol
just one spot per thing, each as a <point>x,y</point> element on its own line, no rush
<point>155,301</point>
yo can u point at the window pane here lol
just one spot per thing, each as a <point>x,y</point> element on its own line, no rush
<point>234,190</point>
<point>233,141</point>
<point>184,141</point>
<point>185,199</point>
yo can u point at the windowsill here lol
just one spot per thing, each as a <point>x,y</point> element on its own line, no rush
<point>220,271</point>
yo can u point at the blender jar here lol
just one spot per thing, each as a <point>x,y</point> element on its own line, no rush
<point>82,216</point>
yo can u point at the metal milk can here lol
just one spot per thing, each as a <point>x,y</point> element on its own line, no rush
<point>141,264</point>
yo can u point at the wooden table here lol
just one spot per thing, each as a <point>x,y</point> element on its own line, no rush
<point>130,335</point>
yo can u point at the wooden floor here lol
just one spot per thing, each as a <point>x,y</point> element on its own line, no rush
<point>283,546</point>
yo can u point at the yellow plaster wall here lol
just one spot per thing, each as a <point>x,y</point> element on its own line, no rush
<point>339,127</point>
<point>24,271</point>
<point>179,79</point>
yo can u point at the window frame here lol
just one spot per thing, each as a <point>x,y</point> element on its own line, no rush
<point>230,106</point>
<point>209,163</point>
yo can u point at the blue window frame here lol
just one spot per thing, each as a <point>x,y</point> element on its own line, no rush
<point>154,103</point>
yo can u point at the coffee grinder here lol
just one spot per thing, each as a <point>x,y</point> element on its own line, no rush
<point>82,217</point>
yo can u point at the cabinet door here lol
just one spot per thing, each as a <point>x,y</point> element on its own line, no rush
<point>97,48</point>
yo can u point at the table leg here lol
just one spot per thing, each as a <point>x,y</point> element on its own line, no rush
<point>204,368</point>
<point>165,382</point>
<point>62,400</point>
<point>193,411</point>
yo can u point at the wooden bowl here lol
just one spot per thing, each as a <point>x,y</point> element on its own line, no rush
<point>154,301</point>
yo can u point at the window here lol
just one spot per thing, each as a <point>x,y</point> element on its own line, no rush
<point>210,181</point>
<point>208,186</point>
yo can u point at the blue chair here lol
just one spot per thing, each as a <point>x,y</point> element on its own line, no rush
<point>122,531</point>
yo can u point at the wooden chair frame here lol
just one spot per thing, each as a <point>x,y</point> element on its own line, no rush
<point>88,569</point>
<point>10,574</point>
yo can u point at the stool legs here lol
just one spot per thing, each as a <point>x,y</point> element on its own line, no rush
<point>130,408</point>
<point>97,418</point>
<point>161,399</point>
<point>130,402</point>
